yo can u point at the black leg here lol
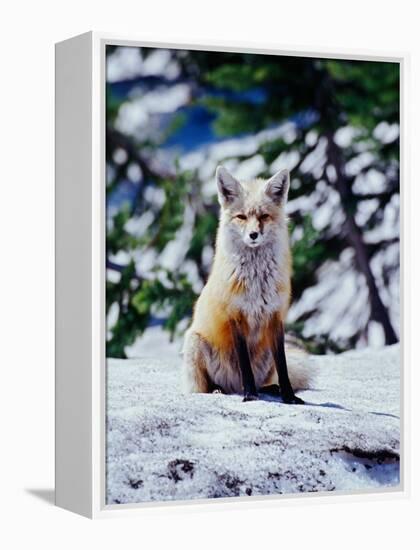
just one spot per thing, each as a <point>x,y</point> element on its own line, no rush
<point>215,388</point>
<point>272,389</point>
<point>250,391</point>
<point>286,390</point>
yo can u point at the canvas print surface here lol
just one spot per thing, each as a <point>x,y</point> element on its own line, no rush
<point>252,275</point>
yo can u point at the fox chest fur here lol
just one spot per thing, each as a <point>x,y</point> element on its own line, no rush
<point>260,286</point>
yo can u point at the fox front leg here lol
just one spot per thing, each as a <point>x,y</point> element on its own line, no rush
<point>248,382</point>
<point>286,390</point>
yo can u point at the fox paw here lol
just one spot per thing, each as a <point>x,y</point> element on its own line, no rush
<point>250,397</point>
<point>292,400</point>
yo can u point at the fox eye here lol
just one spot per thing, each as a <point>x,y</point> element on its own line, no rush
<point>241,216</point>
<point>264,216</point>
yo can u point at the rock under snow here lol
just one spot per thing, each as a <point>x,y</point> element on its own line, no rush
<point>162,445</point>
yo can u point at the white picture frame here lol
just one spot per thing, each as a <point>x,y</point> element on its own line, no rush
<point>80,274</point>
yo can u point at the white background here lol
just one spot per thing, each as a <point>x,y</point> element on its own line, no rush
<point>28,32</point>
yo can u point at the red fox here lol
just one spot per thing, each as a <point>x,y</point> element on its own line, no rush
<point>236,339</point>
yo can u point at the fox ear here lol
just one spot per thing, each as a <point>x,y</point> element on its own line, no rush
<point>227,186</point>
<point>277,186</point>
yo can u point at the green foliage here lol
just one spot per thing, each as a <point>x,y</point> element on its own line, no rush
<point>176,295</point>
<point>117,236</point>
<point>172,214</point>
<point>367,92</point>
<point>308,253</point>
<point>130,321</point>
<point>204,234</point>
<point>112,106</point>
<point>231,118</point>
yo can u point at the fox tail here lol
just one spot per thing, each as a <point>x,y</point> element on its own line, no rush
<point>302,372</point>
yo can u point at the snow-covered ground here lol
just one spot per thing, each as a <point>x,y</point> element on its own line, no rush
<point>162,445</point>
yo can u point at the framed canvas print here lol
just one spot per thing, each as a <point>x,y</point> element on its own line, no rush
<point>228,254</point>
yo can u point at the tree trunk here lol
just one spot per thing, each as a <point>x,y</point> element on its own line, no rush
<point>378,311</point>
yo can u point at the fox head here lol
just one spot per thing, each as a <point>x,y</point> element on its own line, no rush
<point>253,211</point>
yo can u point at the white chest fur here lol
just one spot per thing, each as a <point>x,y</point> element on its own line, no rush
<point>260,273</point>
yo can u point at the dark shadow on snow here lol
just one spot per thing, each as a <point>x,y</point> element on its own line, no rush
<point>328,405</point>
<point>270,397</point>
<point>277,399</point>
<point>385,414</point>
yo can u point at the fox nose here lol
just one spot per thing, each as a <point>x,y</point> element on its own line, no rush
<point>253,235</point>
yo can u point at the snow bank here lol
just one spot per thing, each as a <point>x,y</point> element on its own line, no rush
<point>162,445</point>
